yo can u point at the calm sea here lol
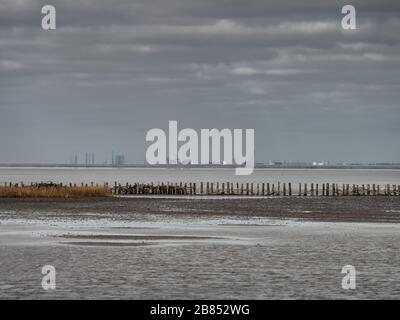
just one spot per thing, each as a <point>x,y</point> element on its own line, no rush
<point>131,175</point>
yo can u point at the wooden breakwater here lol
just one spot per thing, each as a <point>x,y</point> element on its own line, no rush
<point>255,189</point>
<point>229,188</point>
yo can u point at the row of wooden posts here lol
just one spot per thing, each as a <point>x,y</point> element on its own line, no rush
<point>256,189</point>
<point>228,188</point>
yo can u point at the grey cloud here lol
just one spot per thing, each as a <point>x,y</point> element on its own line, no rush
<point>112,71</point>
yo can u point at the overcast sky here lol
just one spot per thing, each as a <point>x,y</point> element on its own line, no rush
<point>115,69</point>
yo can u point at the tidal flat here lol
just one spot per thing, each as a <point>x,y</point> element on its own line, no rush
<point>139,248</point>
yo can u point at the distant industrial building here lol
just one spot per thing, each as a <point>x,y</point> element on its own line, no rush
<point>118,160</point>
<point>89,158</point>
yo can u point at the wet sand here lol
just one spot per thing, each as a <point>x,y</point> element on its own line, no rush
<point>203,249</point>
<point>339,209</point>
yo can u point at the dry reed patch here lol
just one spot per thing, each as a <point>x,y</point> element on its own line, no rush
<point>53,191</point>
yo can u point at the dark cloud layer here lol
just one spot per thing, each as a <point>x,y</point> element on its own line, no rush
<point>113,70</point>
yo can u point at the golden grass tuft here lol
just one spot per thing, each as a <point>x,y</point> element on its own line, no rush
<point>53,192</point>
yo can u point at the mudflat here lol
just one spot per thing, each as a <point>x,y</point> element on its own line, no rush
<point>337,209</point>
<point>133,248</point>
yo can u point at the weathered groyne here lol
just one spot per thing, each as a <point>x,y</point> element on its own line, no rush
<point>255,189</point>
<point>228,188</point>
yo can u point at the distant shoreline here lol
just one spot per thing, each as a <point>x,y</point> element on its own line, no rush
<point>138,166</point>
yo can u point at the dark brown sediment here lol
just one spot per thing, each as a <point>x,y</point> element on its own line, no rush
<point>354,209</point>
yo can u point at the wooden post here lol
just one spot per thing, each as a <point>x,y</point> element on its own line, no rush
<point>268,190</point>
<point>305,190</point>
<point>241,188</point>
<point>263,189</point>
<point>312,189</point>
<point>323,189</point>
<point>290,189</point>
<point>299,189</point>
<point>316,190</point>
<point>223,188</point>
<point>284,189</point>
<point>279,188</point>
<point>252,189</point>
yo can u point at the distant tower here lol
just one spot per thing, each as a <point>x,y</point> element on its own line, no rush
<point>119,160</point>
